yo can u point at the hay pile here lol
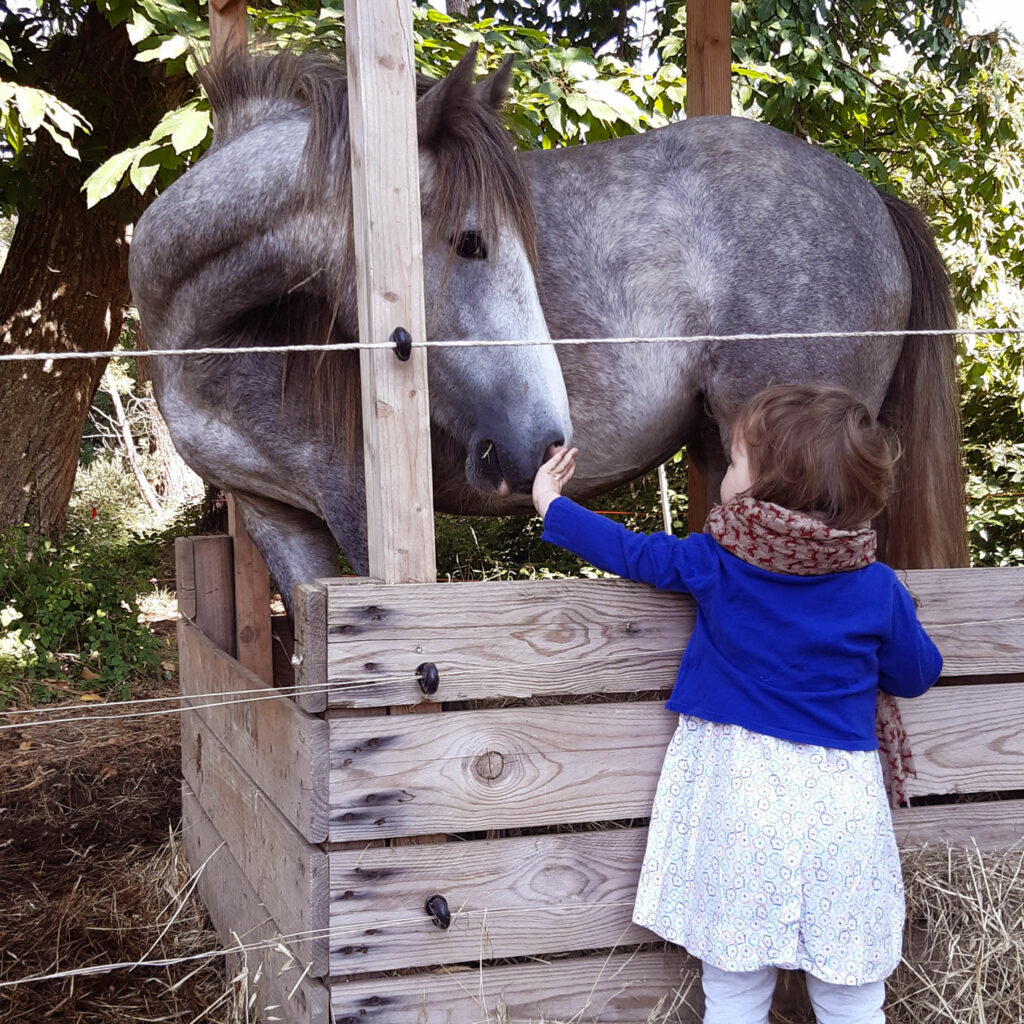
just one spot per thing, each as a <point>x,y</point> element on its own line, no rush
<point>964,949</point>
<point>91,872</point>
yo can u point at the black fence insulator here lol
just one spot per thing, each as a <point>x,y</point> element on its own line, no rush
<point>428,678</point>
<point>437,907</point>
<point>402,340</point>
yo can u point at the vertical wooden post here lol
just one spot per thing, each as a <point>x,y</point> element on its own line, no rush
<point>389,267</point>
<point>708,57</point>
<point>389,263</point>
<point>206,587</point>
<point>228,26</point>
<point>708,91</point>
<point>229,31</point>
<point>252,600</point>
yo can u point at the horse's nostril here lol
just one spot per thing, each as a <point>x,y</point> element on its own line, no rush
<point>549,452</point>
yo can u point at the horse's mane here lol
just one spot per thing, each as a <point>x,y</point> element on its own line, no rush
<point>475,164</point>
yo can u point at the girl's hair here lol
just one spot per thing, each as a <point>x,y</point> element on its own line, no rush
<point>816,449</point>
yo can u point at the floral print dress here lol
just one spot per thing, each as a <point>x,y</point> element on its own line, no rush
<point>766,852</point>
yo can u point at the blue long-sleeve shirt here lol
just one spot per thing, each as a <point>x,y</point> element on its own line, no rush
<point>797,657</point>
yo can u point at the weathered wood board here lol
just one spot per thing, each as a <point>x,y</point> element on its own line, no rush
<point>289,875</point>
<point>510,897</point>
<point>252,599</point>
<point>285,991</point>
<point>617,988</point>
<point>518,767</point>
<point>966,739</point>
<point>508,768</point>
<point>993,825</point>
<point>206,595</point>
<point>550,637</point>
<point>282,748</point>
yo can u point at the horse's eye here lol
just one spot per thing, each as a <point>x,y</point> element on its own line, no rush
<point>470,246</point>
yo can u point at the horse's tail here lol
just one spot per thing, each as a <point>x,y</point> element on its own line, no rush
<point>924,525</point>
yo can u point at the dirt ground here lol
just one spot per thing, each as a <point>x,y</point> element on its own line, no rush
<point>91,873</point>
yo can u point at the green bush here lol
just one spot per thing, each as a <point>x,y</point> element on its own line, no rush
<point>69,614</point>
<point>69,610</point>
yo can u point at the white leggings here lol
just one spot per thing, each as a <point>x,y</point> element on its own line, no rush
<point>744,997</point>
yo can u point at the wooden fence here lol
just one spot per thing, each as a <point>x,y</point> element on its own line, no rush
<point>299,810</point>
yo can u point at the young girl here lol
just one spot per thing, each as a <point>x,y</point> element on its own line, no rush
<point>771,841</point>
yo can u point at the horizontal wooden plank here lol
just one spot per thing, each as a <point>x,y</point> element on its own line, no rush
<point>502,639</point>
<point>289,875</point>
<point>523,639</point>
<point>276,973</point>
<point>281,747</point>
<point>503,768</point>
<point>621,988</point>
<point>467,770</point>
<point>993,825</point>
<point>508,898</point>
<point>966,739</point>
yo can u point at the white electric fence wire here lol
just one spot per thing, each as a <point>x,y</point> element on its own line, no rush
<point>468,343</point>
<point>277,941</point>
<point>95,712</point>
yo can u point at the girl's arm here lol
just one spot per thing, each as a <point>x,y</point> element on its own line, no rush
<point>658,559</point>
<point>909,663</point>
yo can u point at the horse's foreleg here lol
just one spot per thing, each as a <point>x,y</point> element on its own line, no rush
<point>705,446</point>
<point>296,545</point>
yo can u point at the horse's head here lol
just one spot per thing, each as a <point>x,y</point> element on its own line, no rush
<point>503,407</point>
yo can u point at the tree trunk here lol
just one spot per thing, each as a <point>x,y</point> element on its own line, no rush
<point>177,483</point>
<point>64,285</point>
<point>457,8</point>
<point>63,288</point>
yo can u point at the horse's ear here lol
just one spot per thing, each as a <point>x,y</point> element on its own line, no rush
<point>494,89</point>
<point>441,105</point>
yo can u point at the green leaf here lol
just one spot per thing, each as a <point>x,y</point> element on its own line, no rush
<point>31,106</point>
<point>106,178</point>
<point>193,126</point>
<point>167,50</point>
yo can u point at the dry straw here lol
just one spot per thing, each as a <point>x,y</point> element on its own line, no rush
<point>964,950</point>
<point>90,875</point>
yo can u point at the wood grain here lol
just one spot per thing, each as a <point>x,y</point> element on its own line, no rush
<point>282,748</point>
<point>310,660</point>
<point>470,770</point>
<point>508,898</point>
<point>966,739</point>
<point>288,874</point>
<point>389,271</point>
<point>205,573</point>
<point>993,825</point>
<point>708,57</point>
<point>513,767</point>
<point>539,638</point>
<point>229,27</point>
<point>252,599</point>
<point>621,988</point>
<point>275,971</point>
<point>185,577</point>
<point>503,640</point>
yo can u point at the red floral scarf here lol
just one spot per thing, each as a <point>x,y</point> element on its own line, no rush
<point>779,540</point>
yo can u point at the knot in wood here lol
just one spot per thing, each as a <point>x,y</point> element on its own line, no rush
<point>489,766</point>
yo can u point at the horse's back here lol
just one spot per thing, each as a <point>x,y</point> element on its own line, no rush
<point>715,224</point>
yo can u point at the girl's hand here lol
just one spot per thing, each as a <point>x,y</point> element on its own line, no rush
<point>552,477</point>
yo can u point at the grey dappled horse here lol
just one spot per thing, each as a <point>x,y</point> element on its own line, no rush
<point>712,226</point>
